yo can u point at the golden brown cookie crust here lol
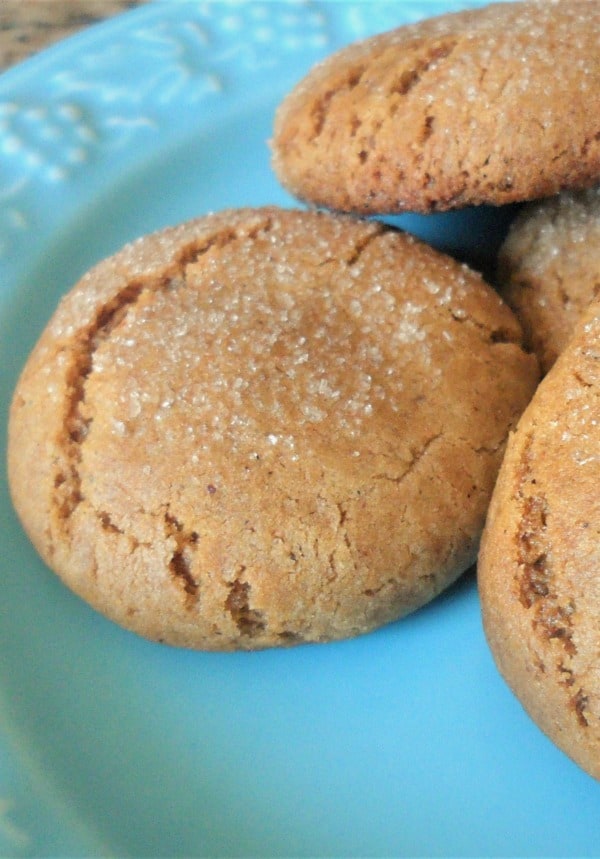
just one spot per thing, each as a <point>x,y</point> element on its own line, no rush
<point>264,427</point>
<point>549,268</point>
<point>539,565</point>
<point>491,105</point>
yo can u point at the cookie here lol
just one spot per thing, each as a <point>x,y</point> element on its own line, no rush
<point>490,105</point>
<point>266,427</point>
<point>549,268</point>
<point>539,566</point>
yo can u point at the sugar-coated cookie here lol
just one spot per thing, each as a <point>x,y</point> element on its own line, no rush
<point>489,105</point>
<point>539,566</point>
<point>549,268</point>
<point>265,427</point>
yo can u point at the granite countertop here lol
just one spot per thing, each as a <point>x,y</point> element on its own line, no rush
<point>27,26</point>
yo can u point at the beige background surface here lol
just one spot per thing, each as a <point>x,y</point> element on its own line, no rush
<point>27,26</point>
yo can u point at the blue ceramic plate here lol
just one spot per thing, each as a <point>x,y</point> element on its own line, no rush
<point>405,742</point>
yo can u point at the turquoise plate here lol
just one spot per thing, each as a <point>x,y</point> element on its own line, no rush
<point>405,742</point>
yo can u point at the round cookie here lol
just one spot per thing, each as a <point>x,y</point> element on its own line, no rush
<point>549,268</point>
<point>539,565</point>
<point>265,427</point>
<point>490,105</point>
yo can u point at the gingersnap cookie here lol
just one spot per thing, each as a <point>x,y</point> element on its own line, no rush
<point>490,105</point>
<point>549,268</point>
<point>266,427</point>
<point>539,566</point>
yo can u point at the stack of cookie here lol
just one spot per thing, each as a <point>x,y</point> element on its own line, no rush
<point>499,105</point>
<point>266,427</point>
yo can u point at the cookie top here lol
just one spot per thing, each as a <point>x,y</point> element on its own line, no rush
<point>539,567</point>
<point>491,105</point>
<point>265,427</point>
<point>549,268</point>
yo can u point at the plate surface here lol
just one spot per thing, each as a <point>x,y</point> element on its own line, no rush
<point>405,742</point>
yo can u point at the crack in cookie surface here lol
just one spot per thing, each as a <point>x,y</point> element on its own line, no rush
<point>78,420</point>
<point>552,617</point>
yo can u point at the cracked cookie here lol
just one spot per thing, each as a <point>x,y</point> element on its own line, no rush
<point>539,566</point>
<point>491,105</point>
<point>549,268</point>
<point>265,427</point>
